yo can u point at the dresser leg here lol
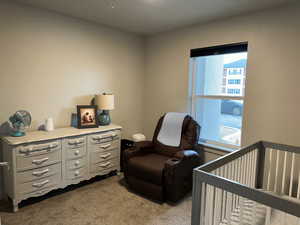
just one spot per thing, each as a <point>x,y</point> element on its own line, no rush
<point>15,206</point>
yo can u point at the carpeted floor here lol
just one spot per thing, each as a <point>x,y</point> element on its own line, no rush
<point>105,202</point>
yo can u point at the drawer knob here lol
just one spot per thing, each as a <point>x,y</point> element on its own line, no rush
<point>38,185</point>
<point>76,173</point>
<point>77,163</point>
<point>25,151</point>
<point>76,152</point>
<point>105,164</point>
<point>105,146</point>
<point>40,173</point>
<point>105,156</point>
<point>40,161</point>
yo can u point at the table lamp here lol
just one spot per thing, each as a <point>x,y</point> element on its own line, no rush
<point>105,103</point>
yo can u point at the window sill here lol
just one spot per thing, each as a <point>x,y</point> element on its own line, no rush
<point>217,148</point>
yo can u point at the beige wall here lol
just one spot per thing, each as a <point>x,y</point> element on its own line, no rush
<point>272,92</point>
<point>50,63</point>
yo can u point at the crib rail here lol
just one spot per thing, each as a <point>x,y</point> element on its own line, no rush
<point>260,174</point>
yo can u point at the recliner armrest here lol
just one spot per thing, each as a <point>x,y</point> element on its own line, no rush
<point>178,172</point>
<point>183,160</point>
<point>182,156</point>
<point>139,148</point>
<point>143,144</point>
<point>186,155</point>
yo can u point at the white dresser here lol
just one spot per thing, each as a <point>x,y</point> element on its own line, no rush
<point>43,161</point>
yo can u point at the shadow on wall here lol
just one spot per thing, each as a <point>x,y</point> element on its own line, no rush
<point>83,100</point>
<point>5,129</point>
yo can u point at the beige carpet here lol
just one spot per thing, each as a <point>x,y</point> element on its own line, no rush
<point>105,202</point>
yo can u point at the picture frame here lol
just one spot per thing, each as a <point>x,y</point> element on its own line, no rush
<point>87,116</point>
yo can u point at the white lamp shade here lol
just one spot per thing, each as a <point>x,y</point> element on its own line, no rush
<point>105,101</point>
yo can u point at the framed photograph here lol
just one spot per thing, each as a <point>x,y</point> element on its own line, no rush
<point>87,116</point>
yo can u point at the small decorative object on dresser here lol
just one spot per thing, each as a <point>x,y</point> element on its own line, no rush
<point>43,161</point>
<point>87,116</point>
<point>49,124</point>
<point>19,122</point>
<point>74,120</point>
<point>105,102</point>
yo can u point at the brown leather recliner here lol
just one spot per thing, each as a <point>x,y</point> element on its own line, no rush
<point>163,172</point>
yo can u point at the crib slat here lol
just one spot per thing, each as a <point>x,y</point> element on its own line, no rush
<point>253,174</point>
<point>244,170</point>
<point>217,213</point>
<point>253,213</point>
<point>270,170</point>
<point>298,191</point>
<point>268,216</point>
<point>284,174</point>
<point>213,195</point>
<point>207,207</point>
<point>203,215</point>
<point>241,211</point>
<point>236,169</point>
<point>255,167</point>
<point>248,169</point>
<point>229,198</point>
<point>276,171</point>
<point>221,196</point>
<point>292,175</point>
<point>225,196</point>
<point>240,177</point>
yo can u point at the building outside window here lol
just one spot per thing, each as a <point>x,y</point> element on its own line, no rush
<point>232,81</point>
<point>217,84</point>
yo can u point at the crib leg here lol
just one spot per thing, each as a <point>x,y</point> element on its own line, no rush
<point>268,216</point>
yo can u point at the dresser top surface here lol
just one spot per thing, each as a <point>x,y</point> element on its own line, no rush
<point>34,136</point>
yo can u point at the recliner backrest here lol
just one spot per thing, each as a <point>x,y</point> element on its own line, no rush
<point>189,137</point>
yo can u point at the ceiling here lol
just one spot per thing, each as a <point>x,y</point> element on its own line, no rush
<point>153,16</point>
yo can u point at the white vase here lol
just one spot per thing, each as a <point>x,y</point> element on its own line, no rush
<point>49,124</point>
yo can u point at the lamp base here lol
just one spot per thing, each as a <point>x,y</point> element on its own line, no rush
<point>104,118</point>
<point>18,134</point>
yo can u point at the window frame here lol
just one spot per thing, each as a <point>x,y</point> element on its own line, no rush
<point>221,50</point>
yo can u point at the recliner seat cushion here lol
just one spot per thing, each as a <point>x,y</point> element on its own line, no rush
<point>148,167</point>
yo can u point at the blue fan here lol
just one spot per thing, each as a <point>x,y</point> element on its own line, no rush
<point>19,122</point>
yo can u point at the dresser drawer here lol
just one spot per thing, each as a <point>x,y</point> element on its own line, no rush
<point>97,157</point>
<point>33,162</point>
<point>75,153</point>
<point>104,147</point>
<point>40,173</point>
<point>38,149</point>
<point>38,185</point>
<point>39,192</point>
<point>77,174</point>
<point>109,164</point>
<point>103,137</point>
<point>76,163</point>
<point>73,143</point>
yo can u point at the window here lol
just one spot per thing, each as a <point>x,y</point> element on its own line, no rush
<point>215,104</point>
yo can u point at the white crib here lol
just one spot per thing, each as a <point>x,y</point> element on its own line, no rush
<point>257,185</point>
